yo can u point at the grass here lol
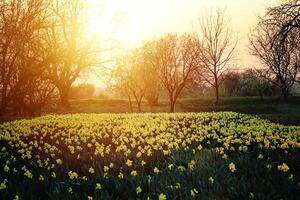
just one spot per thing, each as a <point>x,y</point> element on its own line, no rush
<point>271,108</point>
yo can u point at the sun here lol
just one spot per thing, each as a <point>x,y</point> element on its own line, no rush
<point>109,19</point>
<point>100,17</point>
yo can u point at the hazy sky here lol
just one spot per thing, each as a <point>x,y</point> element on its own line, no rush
<point>145,19</point>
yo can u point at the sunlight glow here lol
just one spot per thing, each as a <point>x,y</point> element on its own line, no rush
<point>110,18</point>
<point>131,22</point>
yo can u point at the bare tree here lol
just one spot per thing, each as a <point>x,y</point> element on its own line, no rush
<point>71,52</point>
<point>174,58</point>
<point>253,82</point>
<point>218,49</point>
<point>119,81</point>
<point>129,77</point>
<point>137,79</point>
<point>153,86</point>
<point>20,60</point>
<point>277,50</point>
<point>285,17</point>
<point>33,96</point>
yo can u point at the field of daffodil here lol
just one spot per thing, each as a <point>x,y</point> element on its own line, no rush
<point>149,156</point>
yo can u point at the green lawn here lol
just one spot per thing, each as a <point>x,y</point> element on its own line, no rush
<point>271,108</point>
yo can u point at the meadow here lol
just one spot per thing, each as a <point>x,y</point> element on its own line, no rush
<point>222,155</point>
<point>271,108</point>
<point>151,100</point>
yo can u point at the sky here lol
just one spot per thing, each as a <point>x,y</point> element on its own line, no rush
<point>130,22</point>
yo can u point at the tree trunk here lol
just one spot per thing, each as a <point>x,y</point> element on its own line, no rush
<point>261,94</point>
<point>172,108</point>
<point>64,96</point>
<point>261,97</point>
<point>3,100</point>
<point>139,106</point>
<point>130,103</point>
<point>172,102</point>
<point>217,95</point>
<point>3,107</point>
<point>285,93</point>
<point>216,87</point>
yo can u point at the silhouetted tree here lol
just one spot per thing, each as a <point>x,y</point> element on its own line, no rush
<point>71,51</point>
<point>21,59</point>
<point>278,52</point>
<point>119,80</point>
<point>252,83</point>
<point>218,48</point>
<point>231,83</point>
<point>130,77</point>
<point>32,97</point>
<point>174,58</point>
<point>151,80</point>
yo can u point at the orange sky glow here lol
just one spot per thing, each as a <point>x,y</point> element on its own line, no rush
<point>130,22</point>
